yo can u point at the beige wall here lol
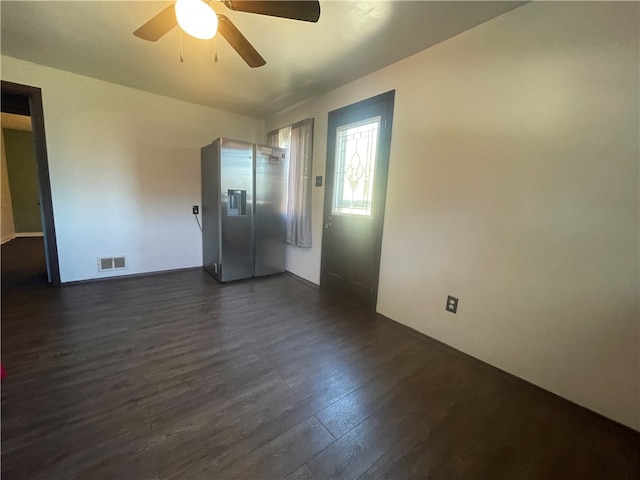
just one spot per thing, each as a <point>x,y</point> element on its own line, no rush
<point>516,145</point>
<point>23,181</point>
<point>125,169</point>
<point>6,207</point>
<point>14,122</point>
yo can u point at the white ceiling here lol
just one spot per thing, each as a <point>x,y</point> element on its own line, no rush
<point>350,40</point>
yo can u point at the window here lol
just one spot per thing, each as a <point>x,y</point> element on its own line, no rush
<point>355,160</point>
<point>281,138</point>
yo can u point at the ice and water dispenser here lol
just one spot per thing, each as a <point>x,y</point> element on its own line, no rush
<point>236,203</point>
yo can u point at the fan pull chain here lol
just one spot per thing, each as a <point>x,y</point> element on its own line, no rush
<point>215,40</point>
<point>181,48</point>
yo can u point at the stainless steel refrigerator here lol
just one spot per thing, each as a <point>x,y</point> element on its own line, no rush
<point>244,191</point>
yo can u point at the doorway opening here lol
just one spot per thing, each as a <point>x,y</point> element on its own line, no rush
<point>358,146</point>
<point>29,254</point>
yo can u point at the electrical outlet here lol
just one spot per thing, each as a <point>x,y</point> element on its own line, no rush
<point>452,304</point>
<point>195,210</point>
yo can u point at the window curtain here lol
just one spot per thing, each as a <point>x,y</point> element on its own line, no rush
<point>300,177</point>
<point>273,139</point>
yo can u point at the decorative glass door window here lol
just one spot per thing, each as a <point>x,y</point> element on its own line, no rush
<point>355,161</point>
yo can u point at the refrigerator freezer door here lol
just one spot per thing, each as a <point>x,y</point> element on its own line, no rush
<point>270,209</point>
<point>236,212</point>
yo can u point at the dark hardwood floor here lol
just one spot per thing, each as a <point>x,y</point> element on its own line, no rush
<point>23,263</point>
<point>176,376</point>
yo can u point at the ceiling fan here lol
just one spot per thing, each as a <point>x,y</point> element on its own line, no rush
<point>197,18</point>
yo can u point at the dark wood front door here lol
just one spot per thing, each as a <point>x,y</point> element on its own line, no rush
<point>358,144</point>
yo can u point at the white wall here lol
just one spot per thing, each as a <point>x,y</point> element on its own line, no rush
<point>517,145</point>
<point>125,169</point>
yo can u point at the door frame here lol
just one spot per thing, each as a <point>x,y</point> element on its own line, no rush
<point>381,181</point>
<point>36,111</point>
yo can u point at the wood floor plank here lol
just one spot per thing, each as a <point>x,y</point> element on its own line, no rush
<point>66,452</point>
<point>447,413</point>
<point>183,452</point>
<point>359,449</point>
<point>283,454</point>
<point>302,473</point>
<point>343,415</point>
<point>177,376</point>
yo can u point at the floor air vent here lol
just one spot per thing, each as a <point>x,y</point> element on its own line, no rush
<point>112,263</point>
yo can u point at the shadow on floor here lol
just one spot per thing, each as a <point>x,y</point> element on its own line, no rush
<point>23,263</point>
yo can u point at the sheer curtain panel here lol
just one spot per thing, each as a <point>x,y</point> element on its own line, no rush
<point>273,139</point>
<point>300,170</point>
<point>298,140</point>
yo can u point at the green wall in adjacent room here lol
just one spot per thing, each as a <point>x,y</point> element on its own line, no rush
<point>23,180</point>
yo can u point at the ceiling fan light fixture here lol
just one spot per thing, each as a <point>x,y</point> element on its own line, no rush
<point>196,18</point>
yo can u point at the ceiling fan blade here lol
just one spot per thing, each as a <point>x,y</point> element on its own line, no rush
<point>158,26</point>
<point>239,43</point>
<point>307,11</point>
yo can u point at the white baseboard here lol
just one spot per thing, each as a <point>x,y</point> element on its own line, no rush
<point>21,235</point>
<point>7,238</point>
